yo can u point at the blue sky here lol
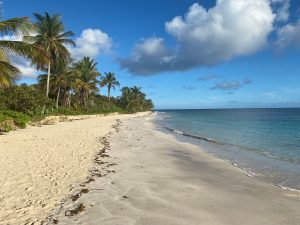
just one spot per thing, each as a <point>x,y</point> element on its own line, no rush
<point>186,54</point>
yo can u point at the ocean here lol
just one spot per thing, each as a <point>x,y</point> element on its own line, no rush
<point>263,141</point>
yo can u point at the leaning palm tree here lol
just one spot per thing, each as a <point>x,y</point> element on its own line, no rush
<point>110,81</point>
<point>15,26</point>
<point>86,83</point>
<point>53,38</point>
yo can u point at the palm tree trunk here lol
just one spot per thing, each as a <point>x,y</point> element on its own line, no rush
<point>69,98</point>
<point>57,97</point>
<point>108,93</point>
<point>47,90</point>
<point>48,80</point>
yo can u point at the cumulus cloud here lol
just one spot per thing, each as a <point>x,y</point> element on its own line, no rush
<point>91,43</point>
<point>205,37</point>
<point>289,35</point>
<point>149,56</point>
<point>281,8</point>
<point>208,77</point>
<point>25,67</point>
<point>23,64</point>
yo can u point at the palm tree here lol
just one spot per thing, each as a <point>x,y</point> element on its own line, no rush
<point>60,79</point>
<point>86,72</point>
<point>53,38</point>
<point>16,26</point>
<point>110,81</point>
<point>134,100</point>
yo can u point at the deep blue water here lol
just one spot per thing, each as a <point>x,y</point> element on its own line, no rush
<point>265,141</point>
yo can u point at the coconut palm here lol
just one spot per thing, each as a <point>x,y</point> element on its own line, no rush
<point>134,100</point>
<point>62,80</point>
<point>86,83</point>
<point>110,81</point>
<point>15,26</point>
<point>53,38</point>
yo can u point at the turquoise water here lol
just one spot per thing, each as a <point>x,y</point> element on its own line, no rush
<point>265,141</point>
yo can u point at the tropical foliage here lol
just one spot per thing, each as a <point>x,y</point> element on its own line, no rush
<point>71,87</point>
<point>134,100</point>
<point>110,81</point>
<point>52,37</point>
<point>86,75</point>
<point>15,26</point>
<point>25,99</point>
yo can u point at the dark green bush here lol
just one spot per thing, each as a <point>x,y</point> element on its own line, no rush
<point>25,99</point>
<point>101,104</point>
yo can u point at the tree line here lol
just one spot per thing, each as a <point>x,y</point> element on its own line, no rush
<point>66,86</point>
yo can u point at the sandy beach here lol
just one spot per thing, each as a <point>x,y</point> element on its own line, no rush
<point>140,176</point>
<point>159,180</point>
<point>40,165</point>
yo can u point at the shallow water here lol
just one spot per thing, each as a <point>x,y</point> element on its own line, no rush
<point>265,141</point>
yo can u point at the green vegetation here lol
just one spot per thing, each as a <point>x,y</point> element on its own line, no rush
<point>25,99</point>
<point>66,87</point>
<point>52,39</point>
<point>133,100</point>
<point>8,72</point>
<point>11,119</point>
<point>110,81</point>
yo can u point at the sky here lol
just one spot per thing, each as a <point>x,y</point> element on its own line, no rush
<point>184,53</point>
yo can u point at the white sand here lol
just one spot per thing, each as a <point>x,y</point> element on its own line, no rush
<point>39,165</point>
<point>160,181</point>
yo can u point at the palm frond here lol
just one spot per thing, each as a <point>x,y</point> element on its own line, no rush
<point>8,74</point>
<point>65,35</point>
<point>7,68</point>
<point>16,26</point>
<point>31,51</point>
<point>67,42</point>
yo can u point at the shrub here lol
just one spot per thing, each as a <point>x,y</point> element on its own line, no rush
<point>25,99</point>
<point>10,120</point>
<point>19,119</point>
<point>6,123</point>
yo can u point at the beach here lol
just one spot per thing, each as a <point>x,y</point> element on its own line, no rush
<point>120,169</point>
<point>41,164</point>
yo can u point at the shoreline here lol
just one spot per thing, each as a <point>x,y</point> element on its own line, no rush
<point>156,182</point>
<point>252,174</point>
<point>193,139</point>
<point>139,174</point>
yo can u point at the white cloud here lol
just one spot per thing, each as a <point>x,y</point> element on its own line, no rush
<point>289,35</point>
<point>27,70</point>
<point>205,37</point>
<point>281,9</point>
<point>150,55</point>
<point>91,42</point>
<point>12,38</point>
<point>23,64</point>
